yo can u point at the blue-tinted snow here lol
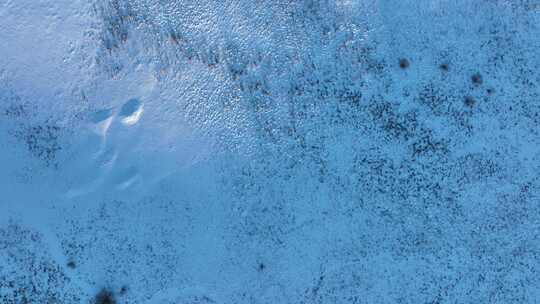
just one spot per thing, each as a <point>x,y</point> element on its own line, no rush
<point>353,151</point>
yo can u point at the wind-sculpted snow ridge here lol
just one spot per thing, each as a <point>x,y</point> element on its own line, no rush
<point>269,151</point>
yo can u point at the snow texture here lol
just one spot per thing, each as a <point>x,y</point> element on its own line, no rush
<point>271,151</point>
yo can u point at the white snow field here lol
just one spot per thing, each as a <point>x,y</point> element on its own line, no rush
<point>269,151</point>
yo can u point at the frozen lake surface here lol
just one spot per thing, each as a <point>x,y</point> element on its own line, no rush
<point>272,151</point>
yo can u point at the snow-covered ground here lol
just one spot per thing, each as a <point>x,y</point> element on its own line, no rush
<point>347,151</point>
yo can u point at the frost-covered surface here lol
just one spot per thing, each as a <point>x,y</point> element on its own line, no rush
<point>269,151</point>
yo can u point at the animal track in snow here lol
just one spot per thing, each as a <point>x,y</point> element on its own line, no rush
<point>101,115</point>
<point>131,111</point>
<point>125,177</point>
<point>101,121</point>
<point>101,155</point>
